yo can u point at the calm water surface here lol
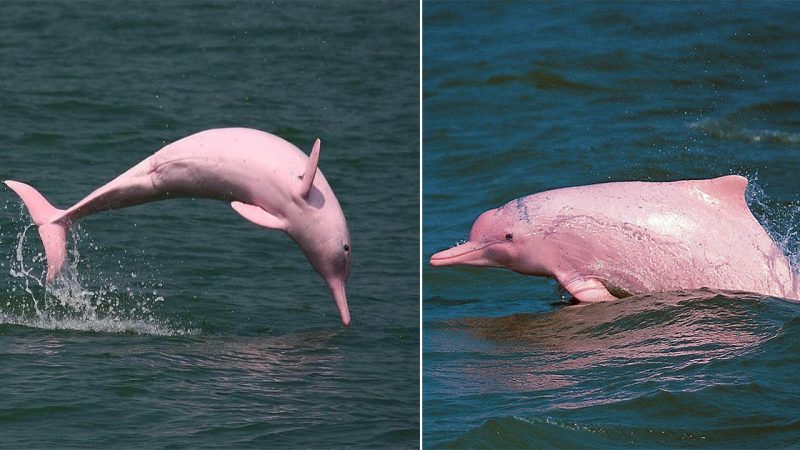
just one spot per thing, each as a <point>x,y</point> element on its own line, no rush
<point>182,325</point>
<point>525,97</point>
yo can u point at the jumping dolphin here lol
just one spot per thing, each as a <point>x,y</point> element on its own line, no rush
<point>608,241</point>
<point>268,181</point>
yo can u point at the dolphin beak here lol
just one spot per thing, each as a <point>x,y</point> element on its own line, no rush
<point>466,254</point>
<point>339,296</point>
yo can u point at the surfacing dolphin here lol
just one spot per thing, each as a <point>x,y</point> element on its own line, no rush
<point>608,241</point>
<point>268,181</point>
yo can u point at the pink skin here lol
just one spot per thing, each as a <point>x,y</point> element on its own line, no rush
<point>265,178</point>
<point>613,240</point>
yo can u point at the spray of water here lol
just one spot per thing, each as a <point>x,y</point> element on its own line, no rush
<point>67,304</point>
<point>782,221</point>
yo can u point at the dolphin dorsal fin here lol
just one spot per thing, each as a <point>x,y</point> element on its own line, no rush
<point>729,189</point>
<point>311,171</point>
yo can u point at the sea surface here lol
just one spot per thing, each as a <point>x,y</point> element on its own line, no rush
<point>180,324</point>
<point>524,97</point>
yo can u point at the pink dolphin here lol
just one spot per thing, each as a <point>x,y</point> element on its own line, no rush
<point>268,181</point>
<point>613,240</point>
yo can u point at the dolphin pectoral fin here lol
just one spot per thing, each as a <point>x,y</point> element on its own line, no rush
<point>588,289</point>
<point>311,170</point>
<point>258,216</point>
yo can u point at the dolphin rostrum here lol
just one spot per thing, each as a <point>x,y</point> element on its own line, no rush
<point>267,180</point>
<point>612,240</point>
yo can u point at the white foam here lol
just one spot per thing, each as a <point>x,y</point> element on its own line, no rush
<point>105,325</point>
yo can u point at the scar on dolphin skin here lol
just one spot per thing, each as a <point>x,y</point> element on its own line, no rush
<point>522,209</point>
<point>614,240</point>
<point>250,169</point>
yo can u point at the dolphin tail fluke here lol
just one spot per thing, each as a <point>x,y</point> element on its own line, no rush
<point>52,226</point>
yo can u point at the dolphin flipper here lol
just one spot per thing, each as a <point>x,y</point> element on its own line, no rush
<point>259,216</point>
<point>588,289</point>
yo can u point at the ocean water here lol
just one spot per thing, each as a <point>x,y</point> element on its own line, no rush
<point>180,324</point>
<point>524,97</point>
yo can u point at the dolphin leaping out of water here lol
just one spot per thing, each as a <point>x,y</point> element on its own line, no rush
<point>268,181</point>
<point>608,241</point>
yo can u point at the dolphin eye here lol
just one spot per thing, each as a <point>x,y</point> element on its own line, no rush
<point>346,248</point>
<point>509,237</point>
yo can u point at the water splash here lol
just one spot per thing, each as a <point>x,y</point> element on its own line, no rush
<point>67,304</point>
<point>782,221</point>
<point>19,270</point>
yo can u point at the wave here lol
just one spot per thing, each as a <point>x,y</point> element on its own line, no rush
<point>696,313</point>
<point>691,368</point>
<point>547,432</point>
<point>547,81</point>
<point>729,130</point>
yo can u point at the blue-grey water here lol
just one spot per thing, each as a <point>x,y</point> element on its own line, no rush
<point>182,325</point>
<point>524,97</point>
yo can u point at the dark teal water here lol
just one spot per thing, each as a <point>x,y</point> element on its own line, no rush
<point>182,325</point>
<point>525,97</point>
